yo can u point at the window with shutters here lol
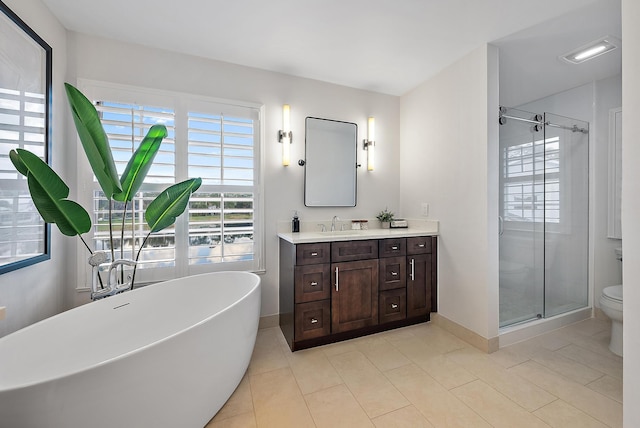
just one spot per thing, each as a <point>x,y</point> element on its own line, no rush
<point>531,181</point>
<point>22,126</point>
<point>217,141</point>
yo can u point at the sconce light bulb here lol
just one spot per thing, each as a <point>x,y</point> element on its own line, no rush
<point>286,118</point>
<point>370,157</point>
<point>286,153</point>
<point>285,135</point>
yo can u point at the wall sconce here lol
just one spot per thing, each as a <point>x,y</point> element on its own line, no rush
<point>370,143</point>
<point>284,135</point>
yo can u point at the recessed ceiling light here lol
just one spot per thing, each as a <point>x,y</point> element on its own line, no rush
<point>592,50</point>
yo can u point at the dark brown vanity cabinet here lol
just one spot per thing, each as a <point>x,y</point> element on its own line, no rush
<point>340,290</point>
<point>420,275</point>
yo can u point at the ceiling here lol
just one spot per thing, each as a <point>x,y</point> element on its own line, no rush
<point>379,45</point>
<point>530,67</point>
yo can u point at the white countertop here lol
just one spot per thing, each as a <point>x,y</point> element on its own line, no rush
<point>424,229</point>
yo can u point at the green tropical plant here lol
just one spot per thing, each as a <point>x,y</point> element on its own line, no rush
<point>50,193</point>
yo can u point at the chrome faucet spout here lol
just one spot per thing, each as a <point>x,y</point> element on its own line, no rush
<point>112,275</point>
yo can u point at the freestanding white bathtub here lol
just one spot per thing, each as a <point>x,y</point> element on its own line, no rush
<point>166,355</point>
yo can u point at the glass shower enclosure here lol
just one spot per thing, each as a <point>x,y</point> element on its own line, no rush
<point>544,215</point>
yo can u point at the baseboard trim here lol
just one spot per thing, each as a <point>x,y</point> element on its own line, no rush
<point>269,321</point>
<point>471,337</point>
<point>597,313</point>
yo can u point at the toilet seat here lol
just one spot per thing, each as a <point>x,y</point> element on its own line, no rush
<point>613,293</point>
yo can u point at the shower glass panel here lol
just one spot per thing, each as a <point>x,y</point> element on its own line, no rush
<point>544,209</point>
<point>567,219</point>
<point>521,218</point>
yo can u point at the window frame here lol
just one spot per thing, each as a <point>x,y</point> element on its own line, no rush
<point>182,104</point>
<point>47,78</point>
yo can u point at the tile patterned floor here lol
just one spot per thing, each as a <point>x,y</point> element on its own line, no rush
<point>422,376</point>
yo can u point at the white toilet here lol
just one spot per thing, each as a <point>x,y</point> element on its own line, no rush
<point>611,305</point>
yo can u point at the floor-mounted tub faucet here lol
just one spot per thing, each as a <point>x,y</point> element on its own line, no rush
<point>98,289</point>
<point>113,275</point>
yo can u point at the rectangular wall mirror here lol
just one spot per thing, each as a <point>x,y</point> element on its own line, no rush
<point>330,164</point>
<point>25,111</point>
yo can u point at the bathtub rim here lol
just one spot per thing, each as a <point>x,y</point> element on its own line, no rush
<point>64,374</point>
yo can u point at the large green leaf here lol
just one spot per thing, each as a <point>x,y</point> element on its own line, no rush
<point>140,162</point>
<point>94,141</point>
<point>49,194</point>
<point>164,209</point>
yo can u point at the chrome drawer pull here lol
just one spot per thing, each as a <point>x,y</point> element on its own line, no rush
<point>413,271</point>
<point>313,283</point>
<point>313,320</point>
<point>395,247</point>
<point>394,306</point>
<point>336,278</point>
<point>421,245</point>
<point>394,273</point>
<point>314,254</point>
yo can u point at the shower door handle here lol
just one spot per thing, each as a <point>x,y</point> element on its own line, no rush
<point>500,225</point>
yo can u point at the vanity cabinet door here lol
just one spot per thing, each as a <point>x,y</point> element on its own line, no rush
<point>354,295</point>
<point>393,273</point>
<point>392,305</point>
<point>312,282</point>
<point>313,320</point>
<point>418,285</point>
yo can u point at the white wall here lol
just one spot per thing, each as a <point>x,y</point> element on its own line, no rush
<point>591,103</point>
<point>449,144</point>
<point>39,291</point>
<point>631,208</point>
<point>111,61</point>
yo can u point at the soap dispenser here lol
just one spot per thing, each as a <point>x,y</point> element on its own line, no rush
<point>295,223</point>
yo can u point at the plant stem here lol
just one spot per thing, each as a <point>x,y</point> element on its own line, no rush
<point>85,244</point>
<point>124,217</point>
<point>113,257</point>
<point>133,277</point>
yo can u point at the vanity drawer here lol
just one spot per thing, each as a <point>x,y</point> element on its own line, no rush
<point>348,251</point>
<point>393,273</point>
<point>419,245</point>
<point>312,282</point>
<point>392,247</point>
<point>313,319</point>
<point>392,305</point>
<point>310,254</point>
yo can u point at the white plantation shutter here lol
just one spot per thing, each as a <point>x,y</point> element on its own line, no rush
<point>532,181</point>
<point>22,125</point>
<point>218,142</point>
<point>222,152</point>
